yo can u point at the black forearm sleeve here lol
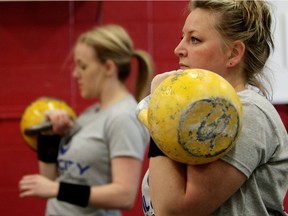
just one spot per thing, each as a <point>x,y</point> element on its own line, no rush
<point>154,150</point>
<point>47,148</point>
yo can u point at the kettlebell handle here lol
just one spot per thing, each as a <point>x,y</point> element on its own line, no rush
<point>38,128</point>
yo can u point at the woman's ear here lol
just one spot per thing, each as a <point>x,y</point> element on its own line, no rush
<point>111,68</point>
<point>237,53</point>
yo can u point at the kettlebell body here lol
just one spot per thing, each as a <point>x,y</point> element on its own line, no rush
<point>194,116</point>
<point>34,114</point>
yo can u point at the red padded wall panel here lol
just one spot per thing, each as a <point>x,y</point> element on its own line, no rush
<point>36,43</point>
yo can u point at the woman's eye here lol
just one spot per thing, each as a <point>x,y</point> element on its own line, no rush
<point>81,66</point>
<point>195,40</point>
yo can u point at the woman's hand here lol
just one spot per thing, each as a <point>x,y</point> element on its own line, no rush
<point>38,186</point>
<point>160,78</point>
<point>60,120</point>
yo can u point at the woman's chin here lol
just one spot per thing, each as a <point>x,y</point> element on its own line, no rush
<point>84,95</point>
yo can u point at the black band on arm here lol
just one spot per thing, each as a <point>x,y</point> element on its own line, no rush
<point>47,148</point>
<point>154,150</point>
<point>74,194</point>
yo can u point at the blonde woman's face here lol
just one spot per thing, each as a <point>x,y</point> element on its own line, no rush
<point>88,72</point>
<point>201,45</point>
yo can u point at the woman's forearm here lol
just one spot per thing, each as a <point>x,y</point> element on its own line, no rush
<point>49,170</point>
<point>167,183</point>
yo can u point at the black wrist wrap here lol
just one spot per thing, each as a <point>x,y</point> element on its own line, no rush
<point>47,148</point>
<point>74,194</point>
<point>154,150</point>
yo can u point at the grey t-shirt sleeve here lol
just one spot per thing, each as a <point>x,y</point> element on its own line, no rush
<point>253,147</point>
<point>127,137</point>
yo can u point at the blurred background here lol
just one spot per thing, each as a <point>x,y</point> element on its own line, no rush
<point>36,40</point>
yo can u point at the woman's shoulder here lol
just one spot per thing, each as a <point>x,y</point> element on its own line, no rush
<point>126,105</point>
<point>251,99</point>
<point>123,109</point>
<point>258,109</point>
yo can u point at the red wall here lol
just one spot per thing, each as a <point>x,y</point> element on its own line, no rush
<point>36,41</point>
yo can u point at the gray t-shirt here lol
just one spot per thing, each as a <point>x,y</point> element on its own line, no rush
<point>261,153</point>
<point>98,137</point>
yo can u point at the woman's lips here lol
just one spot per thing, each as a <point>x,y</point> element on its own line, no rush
<point>80,85</point>
<point>183,67</point>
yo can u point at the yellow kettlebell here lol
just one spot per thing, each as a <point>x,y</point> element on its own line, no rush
<point>194,116</point>
<point>33,118</point>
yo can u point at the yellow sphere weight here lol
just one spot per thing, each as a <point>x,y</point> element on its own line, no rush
<point>34,114</point>
<point>195,116</point>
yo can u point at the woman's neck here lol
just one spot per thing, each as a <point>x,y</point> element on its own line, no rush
<point>113,93</point>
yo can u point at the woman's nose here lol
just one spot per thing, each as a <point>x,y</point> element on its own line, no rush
<point>75,73</point>
<point>180,50</point>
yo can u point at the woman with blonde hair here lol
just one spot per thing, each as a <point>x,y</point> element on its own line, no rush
<point>95,167</point>
<point>233,39</point>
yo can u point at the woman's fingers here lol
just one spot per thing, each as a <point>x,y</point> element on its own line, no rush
<point>26,185</point>
<point>161,77</point>
<point>37,185</point>
<point>60,120</point>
